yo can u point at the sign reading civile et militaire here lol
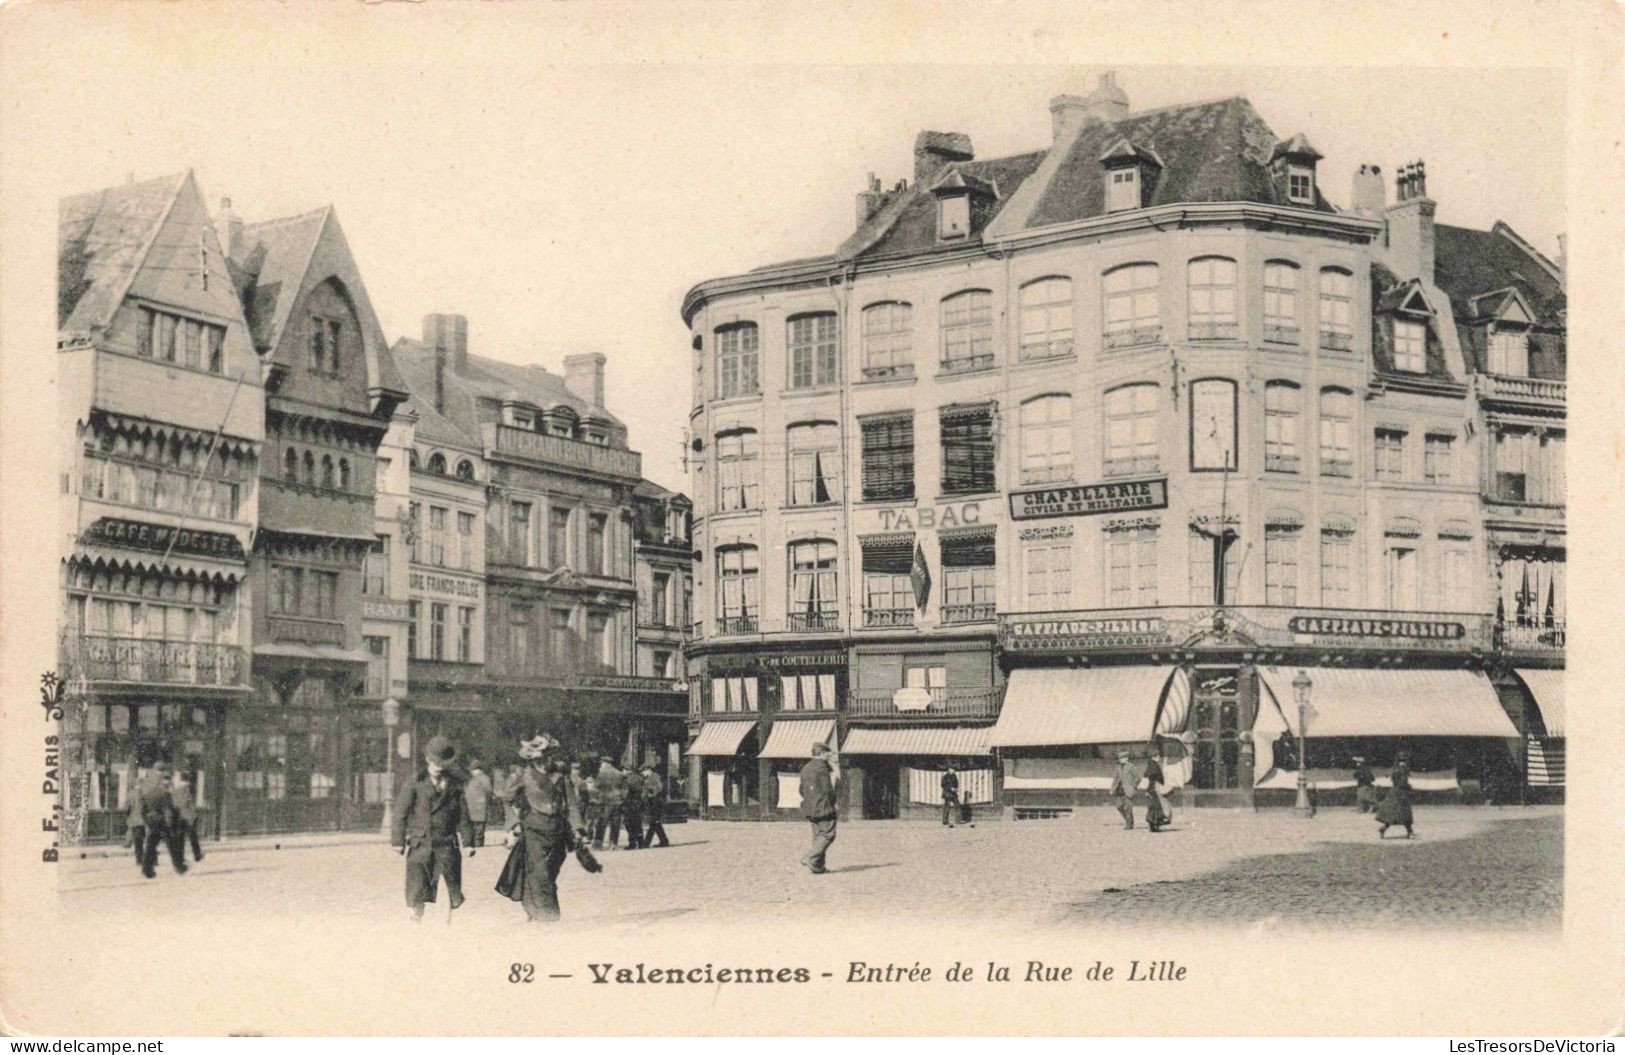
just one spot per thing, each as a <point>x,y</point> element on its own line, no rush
<point>1074,500</point>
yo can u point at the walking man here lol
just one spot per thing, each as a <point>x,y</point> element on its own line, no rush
<point>654,807</point>
<point>478,794</point>
<point>160,822</point>
<point>950,796</point>
<point>632,808</point>
<point>431,815</point>
<point>135,827</point>
<point>549,819</point>
<point>611,791</point>
<point>185,815</point>
<point>818,779</point>
<point>1123,782</point>
<point>1365,786</point>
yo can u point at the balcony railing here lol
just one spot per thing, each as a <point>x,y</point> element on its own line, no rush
<point>313,631</point>
<point>967,613</point>
<point>888,617</point>
<point>1278,334</point>
<point>945,703</point>
<point>967,363</point>
<point>895,372</point>
<point>558,450</point>
<point>1129,338</point>
<point>1283,463</point>
<point>153,661</point>
<point>1522,389</point>
<point>806,622</point>
<point>1539,638</point>
<point>737,624</point>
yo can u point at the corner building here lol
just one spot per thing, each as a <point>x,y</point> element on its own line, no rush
<point>1089,448</point>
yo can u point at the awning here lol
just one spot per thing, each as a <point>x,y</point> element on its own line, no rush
<point>795,739</point>
<point>325,653</point>
<point>720,738</point>
<point>173,565</point>
<point>956,741</point>
<point>1091,705</point>
<point>1546,686</point>
<point>1348,702</point>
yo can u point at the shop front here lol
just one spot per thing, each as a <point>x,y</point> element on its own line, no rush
<point>901,770</point>
<point>723,758</point>
<point>787,748</point>
<point>1545,734</point>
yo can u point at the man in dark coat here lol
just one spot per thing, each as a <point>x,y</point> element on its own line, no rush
<point>1365,786</point>
<point>609,789</point>
<point>632,788</point>
<point>950,796</point>
<point>1123,782</point>
<point>478,793</point>
<point>818,778</point>
<point>186,815</point>
<point>160,821</point>
<point>431,815</point>
<point>654,807</point>
<point>549,820</point>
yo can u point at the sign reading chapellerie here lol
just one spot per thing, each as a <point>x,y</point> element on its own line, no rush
<point>1335,626</point>
<point>1076,500</point>
<point>157,537</point>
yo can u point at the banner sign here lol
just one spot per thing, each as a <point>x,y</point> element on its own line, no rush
<point>1050,634</point>
<point>1089,499</point>
<point>132,534</point>
<point>1332,626</point>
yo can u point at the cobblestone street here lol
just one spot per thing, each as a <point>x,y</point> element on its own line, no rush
<point>1472,867</point>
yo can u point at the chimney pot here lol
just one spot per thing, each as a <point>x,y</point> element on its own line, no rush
<point>1370,195</point>
<point>1067,113</point>
<point>1108,102</point>
<point>584,377</point>
<point>228,228</point>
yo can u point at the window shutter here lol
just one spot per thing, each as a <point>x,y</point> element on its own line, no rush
<point>890,556</point>
<point>968,549</point>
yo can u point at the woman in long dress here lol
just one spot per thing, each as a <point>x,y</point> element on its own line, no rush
<point>1158,815</point>
<point>1396,805</point>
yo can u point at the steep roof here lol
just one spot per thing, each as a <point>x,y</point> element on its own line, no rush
<point>102,238</point>
<point>483,378</point>
<point>907,220</point>
<point>417,373</point>
<point>649,489</point>
<point>1469,264</point>
<point>276,256</point>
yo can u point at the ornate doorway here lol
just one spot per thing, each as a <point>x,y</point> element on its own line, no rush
<point>1217,716</point>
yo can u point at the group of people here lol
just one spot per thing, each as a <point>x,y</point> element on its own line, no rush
<point>553,807</point>
<point>1126,780</point>
<point>162,809</point>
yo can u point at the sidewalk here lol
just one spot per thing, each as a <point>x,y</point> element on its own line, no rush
<point>237,844</point>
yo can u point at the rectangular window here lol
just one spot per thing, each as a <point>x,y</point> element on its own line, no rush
<point>1410,346</point>
<point>888,341</point>
<point>1390,454</point>
<point>1336,433</point>
<point>1131,567</point>
<point>521,540</point>
<point>1131,430</point>
<point>335,335</point>
<point>738,362</point>
<point>1047,569</point>
<point>377,682</point>
<point>734,695</point>
<point>375,574</point>
<point>437,536</point>
<point>1436,460</point>
<point>1336,310</point>
<point>1280,566</point>
<point>558,537</point>
<point>738,582</point>
<point>414,638</point>
<point>888,458</point>
<point>1281,411</point>
<point>465,541</point>
<point>1122,189</point>
<point>813,601</point>
<point>1404,585</point>
<point>1204,550</point>
<point>1455,579</point>
<point>1212,299</point>
<point>1046,318</point>
<point>967,450</point>
<point>519,651</point>
<point>145,333</point>
<point>1509,353</point>
<point>597,525</point>
<point>888,595</point>
<point>1046,439</point>
<point>813,343</point>
<point>807,692</point>
<point>318,344</point>
<point>561,639</point>
<point>194,344</point>
<point>1336,586</point>
<point>214,345</point>
<point>1281,302</point>
<point>967,331</point>
<point>1516,452</point>
<point>1132,307</point>
<point>739,471</point>
<point>953,216</point>
<point>1300,185</point>
<point>465,634</point>
<point>599,645</point>
<point>437,631</point>
<point>289,590</point>
<point>815,460</point>
<point>1213,425</point>
<point>968,571</point>
<point>658,605</point>
<point>167,326</point>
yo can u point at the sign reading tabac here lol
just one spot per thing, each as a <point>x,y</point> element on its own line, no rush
<point>1077,500</point>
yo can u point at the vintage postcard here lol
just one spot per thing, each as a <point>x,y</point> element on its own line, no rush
<point>754,519</point>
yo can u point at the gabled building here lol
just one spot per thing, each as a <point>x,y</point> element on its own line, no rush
<point>161,413</point>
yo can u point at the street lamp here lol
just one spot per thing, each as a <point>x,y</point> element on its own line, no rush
<point>1300,689</point>
<point>392,718</point>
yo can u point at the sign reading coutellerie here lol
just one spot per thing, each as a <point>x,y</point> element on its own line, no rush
<point>1335,626</point>
<point>157,537</point>
<point>1048,634</point>
<point>1088,499</point>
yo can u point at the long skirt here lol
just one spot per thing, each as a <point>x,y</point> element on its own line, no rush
<point>1157,812</point>
<point>1395,807</point>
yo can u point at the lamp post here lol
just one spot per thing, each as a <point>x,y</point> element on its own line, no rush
<point>392,718</point>
<point>1300,689</point>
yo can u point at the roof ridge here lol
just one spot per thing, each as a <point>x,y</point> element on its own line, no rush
<point>127,280</point>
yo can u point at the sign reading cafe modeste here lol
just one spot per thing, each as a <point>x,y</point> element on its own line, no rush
<point>1074,500</point>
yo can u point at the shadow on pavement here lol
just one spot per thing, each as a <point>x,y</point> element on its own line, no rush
<point>862,868</point>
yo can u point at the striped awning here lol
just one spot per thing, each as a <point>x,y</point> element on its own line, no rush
<point>795,738</point>
<point>1090,705</point>
<point>954,741</point>
<point>1546,686</point>
<point>720,738</point>
<point>1349,702</point>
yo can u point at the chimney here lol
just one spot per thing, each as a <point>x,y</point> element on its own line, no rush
<point>584,377</point>
<point>935,151</point>
<point>1067,114</point>
<point>228,227</point>
<point>447,337</point>
<point>1410,225</point>
<point>1108,102</point>
<point>1370,195</point>
<point>869,200</point>
<point>1562,261</point>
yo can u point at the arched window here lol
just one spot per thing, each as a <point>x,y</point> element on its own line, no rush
<point>814,463</point>
<point>1281,302</point>
<point>327,471</point>
<point>412,458</point>
<point>310,468</point>
<point>290,466</point>
<point>813,604</point>
<point>739,470</point>
<point>437,463</point>
<point>738,589</point>
<point>1212,298</point>
<point>1133,309</point>
<point>1336,309</point>
<point>1046,439</point>
<point>1336,561</point>
<point>738,361</point>
<point>967,331</point>
<point>812,341</point>
<point>1131,430</point>
<point>344,474</point>
<point>888,340</point>
<point>1336,432</point>
<point>1046,318</point>
<point>1283,404</point>
<point>465,470</point>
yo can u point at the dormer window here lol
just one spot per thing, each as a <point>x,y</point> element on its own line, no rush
<point>1509,352</point>
<point>1300,184</point>
<point>961,197</point>
<point>1122,190</point>
<point>953,217</point>
<point>1410,346</point>
<point>1293,164</point>
<point>1130,173</point>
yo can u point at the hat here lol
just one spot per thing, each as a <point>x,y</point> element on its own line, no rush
<point>536,746</point>
<point>439,751</point>
<point>1122,756</point>
<point>820,749</point>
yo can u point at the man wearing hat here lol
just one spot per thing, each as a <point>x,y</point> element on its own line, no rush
<point>1123,782</point>
<point>478,793</point>
<point>431,815</point>
<point>549,818</point>
<point>818,779</point>
<point>1365,786</point>
<point>654,807</point>
<point>160,821</point>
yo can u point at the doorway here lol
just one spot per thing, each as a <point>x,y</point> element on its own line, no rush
<point>1217,713</point>
<point>880,779</point>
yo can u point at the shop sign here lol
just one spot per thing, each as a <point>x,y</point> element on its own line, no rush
<point>911,698</point>
<point>425,582</point>
<point>1036,503</point>
<point>1050,634</point>
<point>792,660</point>
<point>626,682</point>
<point>1334,626</point>
<point>384,610</point>
<point>160,538</point>
<point>930,517</point>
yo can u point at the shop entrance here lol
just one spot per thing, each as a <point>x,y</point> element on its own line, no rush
<point>880,780</point>
<point>1217,715</point>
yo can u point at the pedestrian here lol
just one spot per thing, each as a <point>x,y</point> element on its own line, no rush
<point>159,822</point>
<point>478,793</point>
<point>431,816</point>
<point>1123,782</point>
<point>550,820</point>
<point>1158,814</point>
<point>654,807</point>
<point>592,802</point>
<point>135,829</point>
<point>950,795</point>
<point>186,815</point>
<point>609,789</point>
<point>632,808</point>
<point>1396,805</point>
<point>1365,790</point>
<point>818,780</point>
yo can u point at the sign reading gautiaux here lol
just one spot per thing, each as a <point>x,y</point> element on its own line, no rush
<point>1336,626</point>
<point>133,534</point>
<point>1088,499</point>
<point>1050,633</point>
